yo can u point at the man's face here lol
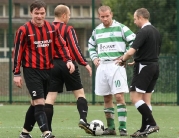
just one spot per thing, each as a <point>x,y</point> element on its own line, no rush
<point>106,18</point>
<point>38,16</point>
<point>137,20</point>
<point>67,16</point>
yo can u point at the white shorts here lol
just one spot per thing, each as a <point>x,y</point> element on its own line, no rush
<point>110,79</point>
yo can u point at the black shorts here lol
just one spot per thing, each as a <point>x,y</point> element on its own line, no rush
<point>37,82</point>
<point>60,75</point>
<point>145,75</point>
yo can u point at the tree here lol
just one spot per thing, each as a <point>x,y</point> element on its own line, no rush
<point>163,15</point>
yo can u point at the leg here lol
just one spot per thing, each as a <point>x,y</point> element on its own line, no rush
<point>81,103</point>
<point>147,99</point>
<point>82,107</point>
<point>49,102</point>
<point>109,113</point>
<point>145,111</point>
<point>40,115</point>
<point>29,122</point>
<point>122,113</point>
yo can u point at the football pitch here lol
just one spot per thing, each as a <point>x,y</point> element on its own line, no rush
<point>66,118</point>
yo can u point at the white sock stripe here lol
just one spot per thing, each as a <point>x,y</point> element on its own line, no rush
<point>150,107</point>
<point>108,111</point>
<point>121,110</point>
<point>139,103</point>
<point>122,118</point>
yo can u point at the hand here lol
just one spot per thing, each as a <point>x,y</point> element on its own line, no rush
<point>70,66</point>
<point>96,62</point>
<point>120,62</point>
<point>18,81</point>
<point>89,69</point>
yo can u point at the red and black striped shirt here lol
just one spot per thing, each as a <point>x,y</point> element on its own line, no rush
<point>69,35</point>
<point>35,47</point>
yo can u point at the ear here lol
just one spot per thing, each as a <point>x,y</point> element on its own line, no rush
<point>112,14</point>
<point>64,15</point>
<point>98,15</point>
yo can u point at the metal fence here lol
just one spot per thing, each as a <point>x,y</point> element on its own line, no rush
<point>165,90</point>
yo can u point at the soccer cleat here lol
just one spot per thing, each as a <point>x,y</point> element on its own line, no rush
<point>83,125</point>
<point>48,135</point>
<point>109,132</point>
<point>123,132</point>
<point>25,136</point>
<point>138,134</point>
<point>151,129</point>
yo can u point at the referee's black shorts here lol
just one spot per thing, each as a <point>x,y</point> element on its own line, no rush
<point>60,75</point>
<point>37,82</point>
<point>145,75</point>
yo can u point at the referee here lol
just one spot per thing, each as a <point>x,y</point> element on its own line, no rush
<point>146,49</point>
<point>34,47</point>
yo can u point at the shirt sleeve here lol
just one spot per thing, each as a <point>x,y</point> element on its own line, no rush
<point>128,36</point>
<point>19,46</point>
<point>139,40</point>
<point>92,46</point>
<point>74,48</point>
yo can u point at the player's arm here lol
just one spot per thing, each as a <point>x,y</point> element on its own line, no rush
<point>19,44</point>
<point>75,51</point>
<point>74,48</point>
<point>92,47</point>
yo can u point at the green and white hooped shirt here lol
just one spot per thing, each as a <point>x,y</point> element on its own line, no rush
<point>110,43</point>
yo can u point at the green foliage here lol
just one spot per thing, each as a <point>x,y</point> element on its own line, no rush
<point>163,16</point>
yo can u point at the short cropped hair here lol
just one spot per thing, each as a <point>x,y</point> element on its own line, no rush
<point>38,4</point>
<point>143,12</point>
<point>60,10</point>
<point>103,9</point>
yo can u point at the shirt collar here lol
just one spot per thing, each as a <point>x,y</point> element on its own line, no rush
<point>148,23</point>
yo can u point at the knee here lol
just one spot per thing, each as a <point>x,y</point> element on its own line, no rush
<point>108,99</point>
<point>51,97</point>
<point>120,98</point>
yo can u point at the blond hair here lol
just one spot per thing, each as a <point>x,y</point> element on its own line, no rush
<point>103,8</point>
<point>60,10</point>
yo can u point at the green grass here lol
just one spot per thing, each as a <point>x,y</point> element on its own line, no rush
<point>158,98</point>
<point>66,118</point>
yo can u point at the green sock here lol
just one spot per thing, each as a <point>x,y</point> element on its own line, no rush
<point>109,112</point>
<point>122,116</point>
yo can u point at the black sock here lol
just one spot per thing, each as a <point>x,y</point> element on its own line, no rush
<point>146,114</point>
<point>82,108</point>
<point>29,119</point>
<point>143,127</point>
<point>41,118</point>
<point>49,113</point>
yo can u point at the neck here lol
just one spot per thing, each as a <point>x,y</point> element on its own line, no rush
<point>58,20</point>
<point>38,25</point>
<point>144,22</point>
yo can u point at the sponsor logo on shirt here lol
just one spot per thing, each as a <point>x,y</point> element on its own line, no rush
<point>106,46</point>
<point>44,43</point>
